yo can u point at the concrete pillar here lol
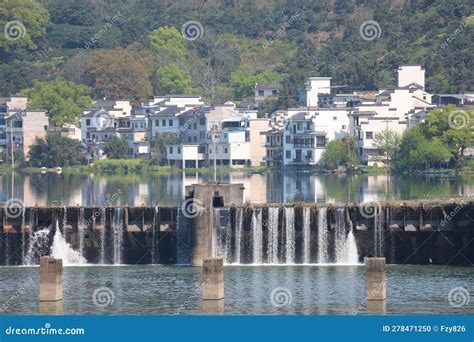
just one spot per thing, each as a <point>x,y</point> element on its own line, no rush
<point>202,236</point>
<point>51,279</point>
<point>375,274</point>
<point>213,279</point>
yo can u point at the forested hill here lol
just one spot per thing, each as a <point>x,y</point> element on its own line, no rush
<point>133,49</point>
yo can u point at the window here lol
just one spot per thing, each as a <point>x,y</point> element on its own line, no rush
<point>320,141</point>
<point>369,135</point>
<point>195,125</point>
<point>343,126</point>
<point>424,97</point>
<point>300,126</point>
<point>181,121</point>
<point>274,92</point>
<point>260,93</point>
<point>157,123</point>
<point>88,135</point>
<point>288,154</point>
<point>88,122</point>
<point>163,122</point>
<point>309,155</point>
<point>179,150</point>
<point>171,149</point>
<point>170,122</point>
<point>288,139</point>
<point>334,118</point>
<point>189,139</point>
<point>225,150</point>
<point>202,121</point>
<point>308,125</point>
<point>195,138</point>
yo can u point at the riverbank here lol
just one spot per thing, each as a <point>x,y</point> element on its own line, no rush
<point>140,166</point>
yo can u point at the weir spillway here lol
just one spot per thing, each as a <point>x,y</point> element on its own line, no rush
<point>404,233</point>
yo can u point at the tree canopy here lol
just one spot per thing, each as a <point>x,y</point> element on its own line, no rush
<point>64,100</point>
<point>116,148</point>
<point>55,150</point>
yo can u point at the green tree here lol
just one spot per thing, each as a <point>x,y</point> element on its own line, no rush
<point>22,22</point>
<point>339,153</point>
<point>387,143</point>
<point>116,148</point>
<point>453,126</point>
<point>173,80</point>
<point>167,43</point>
<point>243,80</point>
<point>64,100</point>
<point>117,73</point>
<point>55,150</point>
<point>418,153</point>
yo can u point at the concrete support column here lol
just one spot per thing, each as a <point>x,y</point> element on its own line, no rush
<point>202,235</point>
<point>375,274</point>
<point>213,279</point>
<point>376,282</point>
<point>51,279</point>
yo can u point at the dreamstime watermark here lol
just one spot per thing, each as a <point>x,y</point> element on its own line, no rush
<point>459,119</point>
<point>281,30</point>
<point>103,297</point>
<point>197,113</point>
<point>97,37</point>
<point>280,297</point>
<point>455,211</point>
<point>362,305</point>
<point>102,119</point>
<point>14,208</point>
<point>370,209</point>
<point>458,297</point>
<point>19,292</point>
<point>444,44</point>
<point>14,30</point>
<point>370,30</point>
<point>46,330</point>
<point>192,30</point>
<point>197,293</point>
<point>192,208</point>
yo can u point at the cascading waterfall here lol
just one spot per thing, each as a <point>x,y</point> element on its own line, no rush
<point>340,236</point>
<point>306,235</point>
<point>38,246</point>
<point>378,232</point>
<point>61,249</point>
<point>154,253</point>
<point>352,256</point>
<point>228,240</point>
<point>257,236</point>
<point>273,235</point>
<point>238,233</point>
<point>117,226</point>
<point>346,247</point>
<point>81,226</point>
<point>322,236</point>
<point>102,236</point>
<point>290,235</point>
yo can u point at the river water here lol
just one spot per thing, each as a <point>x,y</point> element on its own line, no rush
<point>259,290</point>
<point>276,187</point>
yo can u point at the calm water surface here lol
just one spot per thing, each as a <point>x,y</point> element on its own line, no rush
<point>276,187</point>
<point>309,290</point>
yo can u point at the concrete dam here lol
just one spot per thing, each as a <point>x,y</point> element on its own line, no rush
<point>212,221</point>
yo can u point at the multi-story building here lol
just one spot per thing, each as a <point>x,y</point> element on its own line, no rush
<point>395,110</point>
<point>23,129</point>
<point>265,91</point>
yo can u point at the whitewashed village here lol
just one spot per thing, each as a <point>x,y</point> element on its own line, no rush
<point>224,135</point>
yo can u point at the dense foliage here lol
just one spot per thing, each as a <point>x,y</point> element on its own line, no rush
<point>116,148</point>
<point>126,48</point>
<point>55,150</point>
